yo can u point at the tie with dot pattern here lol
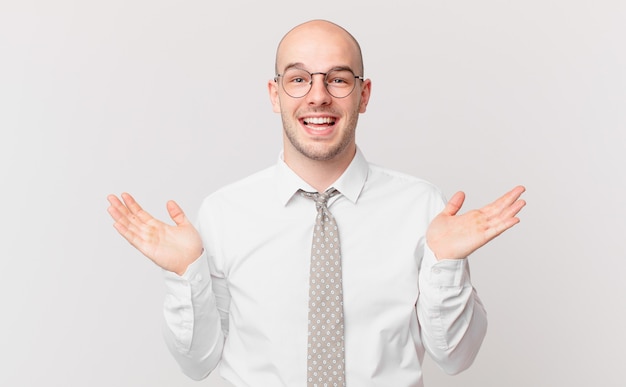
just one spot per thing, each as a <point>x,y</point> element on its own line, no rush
<point>325,358</point>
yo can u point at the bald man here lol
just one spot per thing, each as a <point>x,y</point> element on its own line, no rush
<point>361,304</point>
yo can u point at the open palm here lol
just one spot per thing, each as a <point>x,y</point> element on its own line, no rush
<point>452,236</point>
<point>171,247</point>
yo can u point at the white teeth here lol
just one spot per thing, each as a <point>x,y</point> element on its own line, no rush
<point>319,120</point>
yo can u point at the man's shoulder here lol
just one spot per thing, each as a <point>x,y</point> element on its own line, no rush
<point>401,190</point>
<point>257,182</point>
<point>394,179</point>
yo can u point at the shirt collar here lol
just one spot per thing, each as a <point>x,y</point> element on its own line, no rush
<point>350,183</point>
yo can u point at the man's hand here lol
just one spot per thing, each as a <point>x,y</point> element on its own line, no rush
<point>452,236</point>
<point>171,247</point>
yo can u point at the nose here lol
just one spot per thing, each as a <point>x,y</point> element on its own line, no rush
<point>318,95</point>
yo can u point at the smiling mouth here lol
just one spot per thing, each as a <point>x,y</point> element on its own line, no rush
<point>319,121</point>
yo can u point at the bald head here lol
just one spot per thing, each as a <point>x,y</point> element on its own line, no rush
<point>321,38</point>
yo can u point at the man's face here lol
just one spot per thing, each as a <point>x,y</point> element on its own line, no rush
<point>319,126</point>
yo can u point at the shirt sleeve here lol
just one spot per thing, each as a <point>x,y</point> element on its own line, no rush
<point>193,330</point>
<point>452,318</point>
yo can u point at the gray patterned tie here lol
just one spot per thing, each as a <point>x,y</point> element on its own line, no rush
<point>325,362</point>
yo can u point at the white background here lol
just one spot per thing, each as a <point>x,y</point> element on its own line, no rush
<point>168,100</point>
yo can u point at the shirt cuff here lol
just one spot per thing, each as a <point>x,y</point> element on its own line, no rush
<point>196,272</point>
<point>445,272</point>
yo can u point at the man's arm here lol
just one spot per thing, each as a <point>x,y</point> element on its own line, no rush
<point>452,317</point>
<point>192,329</point>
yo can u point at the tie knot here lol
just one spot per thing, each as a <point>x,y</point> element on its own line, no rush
<point>321,199</point>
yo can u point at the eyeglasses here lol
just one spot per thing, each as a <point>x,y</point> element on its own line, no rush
<point>298,82</point>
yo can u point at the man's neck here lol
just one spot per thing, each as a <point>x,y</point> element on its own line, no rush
<point>320,174</point>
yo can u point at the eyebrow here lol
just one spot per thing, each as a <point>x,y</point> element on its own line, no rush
<point>300,65</point>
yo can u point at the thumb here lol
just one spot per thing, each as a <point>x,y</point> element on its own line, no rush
<point>176,213</point>
<point>454,204</point>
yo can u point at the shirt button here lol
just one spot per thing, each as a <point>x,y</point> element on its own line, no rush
<point>197,277</point>
<point>436,270</point>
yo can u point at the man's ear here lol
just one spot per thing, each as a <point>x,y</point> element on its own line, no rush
<point>365,95</point>
<point>272,88</point>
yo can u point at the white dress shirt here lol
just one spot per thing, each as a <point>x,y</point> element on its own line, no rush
<point>243,304</point>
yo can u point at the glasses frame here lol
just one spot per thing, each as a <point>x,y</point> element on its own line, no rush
<point>359,77</point>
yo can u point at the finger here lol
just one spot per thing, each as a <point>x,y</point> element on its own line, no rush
<point>508,212</point>
<point>131,203</point>
<point>114,207</point>
<point>495,208</point>
<point>115,212</point>
<point>131,237</point>
<point>123,225</point>
<point>176,213</point>
<point>113,200</point>
<point>510,197</point>
<point>501,227</point>
<point>517,192</point>
<point>122,229</point>
<point>116,204</point>
<point>506,220</point>
<point>122,216</point>
<point>126,223</point>
<point>135,208</point>
<point>120,213</point>
<point>514,208</point>
<point>454,204</point>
